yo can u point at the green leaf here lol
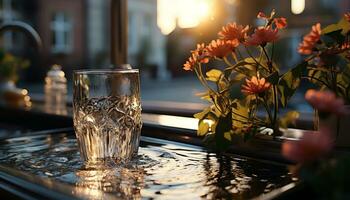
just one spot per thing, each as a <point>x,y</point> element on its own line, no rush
<point>203,114</point>
<point>214,75</point>
<point>222,84</point>
<point>330,28</point>
<point>203,128</point>
<point>273,78</point>
<point>343,25</point>
<point>250,61</point>
<point>328,40</point>
<point>333,38</point>
<point>290,81</point>
<point>205,96</point>
<point>240,115</point>
<point>224,124</point>
<point>227,136</point>
<point>248,70</point>
<point>237,78</point>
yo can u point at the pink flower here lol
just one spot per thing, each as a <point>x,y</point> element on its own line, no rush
<point>307,46</point>
<point>325,101</point>
<point>310,147</point>
<point>263,35</point>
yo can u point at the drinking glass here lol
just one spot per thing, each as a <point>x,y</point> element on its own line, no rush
<point>107,114</point>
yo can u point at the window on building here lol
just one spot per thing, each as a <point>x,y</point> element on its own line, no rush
<point>62,33</point>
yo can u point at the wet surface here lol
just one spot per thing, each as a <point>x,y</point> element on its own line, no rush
<point>162,170</point>
<point>11,130</point>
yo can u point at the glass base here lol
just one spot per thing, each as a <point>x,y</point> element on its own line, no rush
<point>103,163</point>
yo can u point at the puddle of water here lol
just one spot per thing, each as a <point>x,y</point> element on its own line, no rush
<point>162,170</point>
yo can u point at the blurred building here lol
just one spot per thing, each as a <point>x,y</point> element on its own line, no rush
<point>147,45</point>
<point>182,40</point>
<point>61,25</point>
<point>76,35</point>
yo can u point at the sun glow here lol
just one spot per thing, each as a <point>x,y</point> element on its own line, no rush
<point>297,6</point>
<point>184,13</point>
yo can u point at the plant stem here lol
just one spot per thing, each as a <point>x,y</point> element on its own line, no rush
<point>240,115</point>
<point>250,55</point>
<point>243,122</point>
<point>334,81</point>
<point>272,50</point>
<point>312,57</point>
<point>274,93</point>
<point>319,80</point>
<point>260,57</point>
<point>338,126</point>
<point>206,85</point>
<point>234,57</point>
<point>268,111</point>
<point>239,54</point>
<point>267,56</point>
<point>231,65</point>
<point>202,80</point>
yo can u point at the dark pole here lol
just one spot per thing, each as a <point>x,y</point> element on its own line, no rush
<point>119,32</point>
<point>24,28</point>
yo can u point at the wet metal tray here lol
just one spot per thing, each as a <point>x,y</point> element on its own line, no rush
<point>48,165</point>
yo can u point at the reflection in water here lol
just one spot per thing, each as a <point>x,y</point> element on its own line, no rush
<point>230,177</point>
<point>162,169</point>
<point>216,177</point>
<point>123,182</point>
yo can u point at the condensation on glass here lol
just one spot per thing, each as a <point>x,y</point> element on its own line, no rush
<point>107,114</point>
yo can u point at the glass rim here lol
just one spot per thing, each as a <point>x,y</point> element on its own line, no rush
<point>105,71</point>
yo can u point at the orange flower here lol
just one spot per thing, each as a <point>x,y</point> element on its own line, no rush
<point>233,32</point>
<point>255,86</point>
<point>201,53</point>
<point>310,147</point>
<point>220,48</point>
<point>190,63</point>
<point>263,35</point>
<point>280,22</point>
<point>310,40</point>
<point>325,101</point>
